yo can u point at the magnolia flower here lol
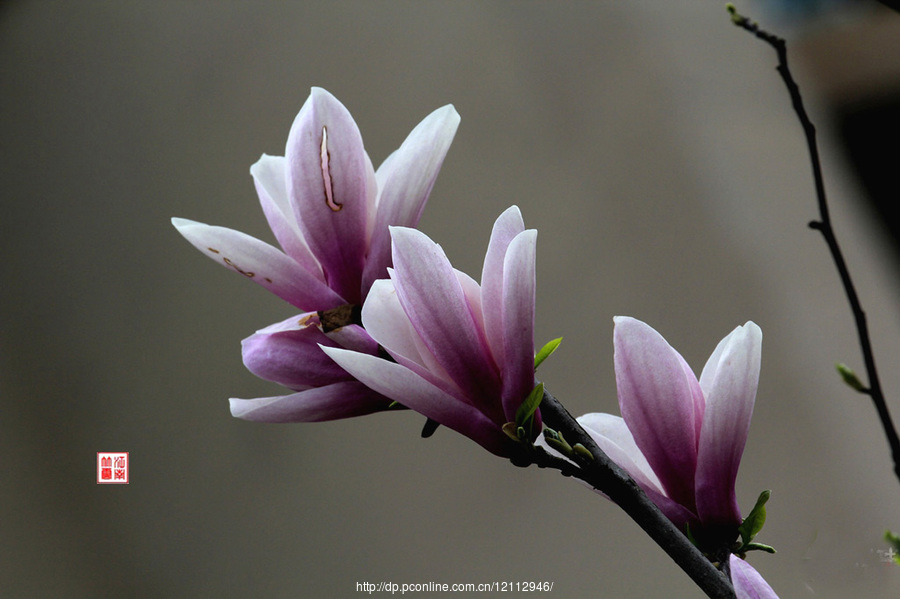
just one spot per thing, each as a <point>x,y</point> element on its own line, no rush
<point>748,584</point>
<point>330,212</point>
<point>681,439</point>
<point>463,353</point>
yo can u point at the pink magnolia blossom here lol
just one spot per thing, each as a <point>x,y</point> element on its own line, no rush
<point>681,438</point>
<point>463,352</point>
<point>748,584</point>
<point>330,212</point>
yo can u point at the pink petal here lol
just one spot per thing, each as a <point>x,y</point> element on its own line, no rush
<point>404,182</point>
<point>748,584</point>
<point>331,402</point>
<point>434,300</point>
<point>612,436</point>
<point>288,353</point>
<point>518,321</point>
<point>406,387</point>
<point>261,263</point>
<point>385,320</point>
<point>506,227</point>
<point>331,185</point>
<point>270,178</point>
<point>656,397</point>
<point>729,380</point>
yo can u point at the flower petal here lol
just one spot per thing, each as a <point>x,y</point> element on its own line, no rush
<point>729,381</point>
<point>288,353</point>
<point>656,398</point>
<point>517,369</point>
<point>506,227</point>
<point>261,263</point>
<point>270,178</point>
<point>331,402</point>
<point>612,436</point>
<point>433,299</point>
<point>748,584</point>
<point>331,185</point>
<point>406,387</point>
<point>405,180</point>
<point>385,320</point>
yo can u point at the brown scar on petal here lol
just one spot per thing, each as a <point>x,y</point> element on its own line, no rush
<point>325,157</point>
<point>246,273</point>
<point>213,250</point>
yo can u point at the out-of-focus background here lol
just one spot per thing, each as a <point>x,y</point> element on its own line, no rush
<point>651,143</point>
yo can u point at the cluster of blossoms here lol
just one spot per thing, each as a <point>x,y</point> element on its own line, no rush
<point>386,320</point>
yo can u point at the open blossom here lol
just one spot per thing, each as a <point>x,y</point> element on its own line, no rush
<point>463,352</point>
<point>330,212</point>
<point>681,438</point>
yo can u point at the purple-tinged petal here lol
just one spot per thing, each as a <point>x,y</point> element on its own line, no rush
<point>409,389</point>
<point>434,300</point>
<point>612,436</point>
<point>385,320</point>
<point>506,227</point>
<point>331,402</point>
<point>748,584</point>
<point>729,381</point>
<point>405,180</point>
<point>354,337</point>
<point>656,398</point>
<point>261,263</point>
<point>270,177</point>
<point>288,353</point>
<point>331,186</point>
<point>517,368</point>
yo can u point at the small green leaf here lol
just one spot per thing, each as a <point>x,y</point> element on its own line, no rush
<point>850,378</point>
<point>758,547</point>
<point>754,522</point>
<point>546,351</point>
<point>525,413</point>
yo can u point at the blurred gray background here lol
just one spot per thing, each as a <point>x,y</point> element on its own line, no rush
<point>651,143</point>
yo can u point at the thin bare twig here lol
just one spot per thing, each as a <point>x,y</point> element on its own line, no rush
<point>823,225</point>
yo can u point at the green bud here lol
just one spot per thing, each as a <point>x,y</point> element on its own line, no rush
<point>580,450</point>
<point>557,442</point>
<point>511,430</point>
<point>850,378</point>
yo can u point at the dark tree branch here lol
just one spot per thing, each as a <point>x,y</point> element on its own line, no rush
<point>823,225</point>
<point>606,476</point>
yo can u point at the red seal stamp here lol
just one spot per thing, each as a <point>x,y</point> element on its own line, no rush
<point>112,468</point>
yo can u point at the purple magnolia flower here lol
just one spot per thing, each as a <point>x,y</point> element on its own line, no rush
<point>330,212</point>
<point>464,353</point>
<point>681,439</point>
<point>748,584</point>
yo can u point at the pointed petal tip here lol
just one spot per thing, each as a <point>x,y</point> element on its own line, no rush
<point>180,223</point>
